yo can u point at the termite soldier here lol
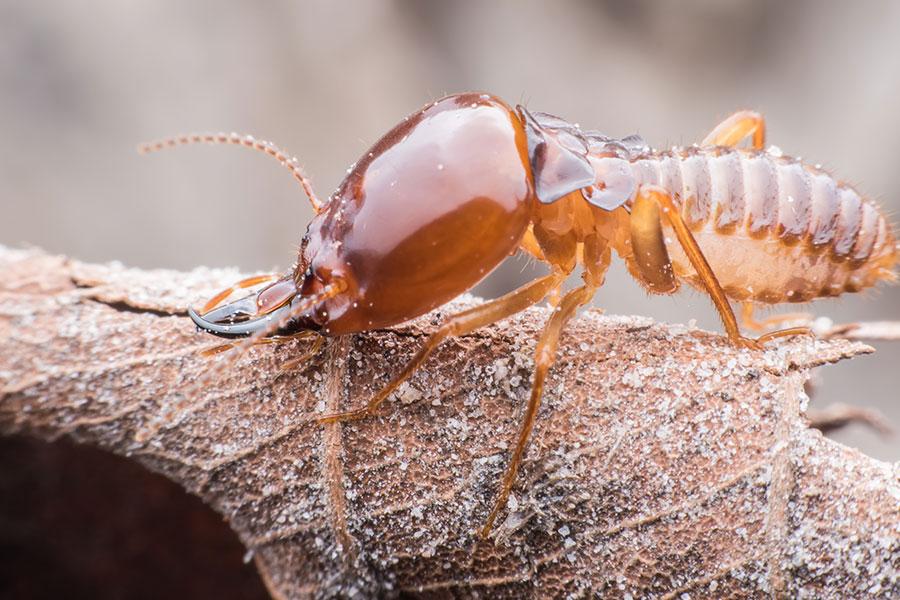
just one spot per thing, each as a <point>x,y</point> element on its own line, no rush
<point>446,195</point>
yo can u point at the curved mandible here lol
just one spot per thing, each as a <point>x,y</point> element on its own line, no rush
<point>242,328</point>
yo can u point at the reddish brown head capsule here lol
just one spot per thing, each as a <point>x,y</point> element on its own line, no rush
<point>430,210</point>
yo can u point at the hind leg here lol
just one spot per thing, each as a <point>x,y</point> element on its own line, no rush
<point>738,127</point>
<point>749,321</point>
<point>667,207</point>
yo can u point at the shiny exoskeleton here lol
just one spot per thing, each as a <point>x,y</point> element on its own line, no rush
<point>456,187</point>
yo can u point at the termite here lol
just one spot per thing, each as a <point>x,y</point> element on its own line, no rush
<point>447,194</point>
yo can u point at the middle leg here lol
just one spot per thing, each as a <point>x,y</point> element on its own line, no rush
<point>459,324</point>
<point>544,357</point>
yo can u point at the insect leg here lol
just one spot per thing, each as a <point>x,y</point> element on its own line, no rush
<point>189,404</point>
<point>295,362</point>
<point>748,321</point>
<point>658,195</point>
<point>789,332</point>
<point>530,244</point>
<point>455,325</point>
<point>649,246</point>
<point>738,127</point>
<point>277,339</point>
<point>648,194</point>
<point>544,357</point>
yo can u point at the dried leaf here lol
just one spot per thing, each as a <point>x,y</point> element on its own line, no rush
<point>665,463</point>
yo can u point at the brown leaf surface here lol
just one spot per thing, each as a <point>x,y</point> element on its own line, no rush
<point>665,463</point>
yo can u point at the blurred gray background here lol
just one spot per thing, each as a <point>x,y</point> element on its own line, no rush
<point>82,83</point>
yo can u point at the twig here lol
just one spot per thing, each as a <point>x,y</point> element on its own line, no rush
<point>863,330</point>
<point>840,415</point>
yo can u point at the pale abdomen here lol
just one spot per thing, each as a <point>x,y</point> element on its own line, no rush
<point>772,228</point>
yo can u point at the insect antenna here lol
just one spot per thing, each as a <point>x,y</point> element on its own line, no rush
<point>175,413</point>
<point>248,141</point>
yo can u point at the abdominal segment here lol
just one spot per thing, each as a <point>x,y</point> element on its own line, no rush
<point>772,228</point>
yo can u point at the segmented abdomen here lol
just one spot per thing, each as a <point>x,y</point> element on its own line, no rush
<point>772,228</point>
